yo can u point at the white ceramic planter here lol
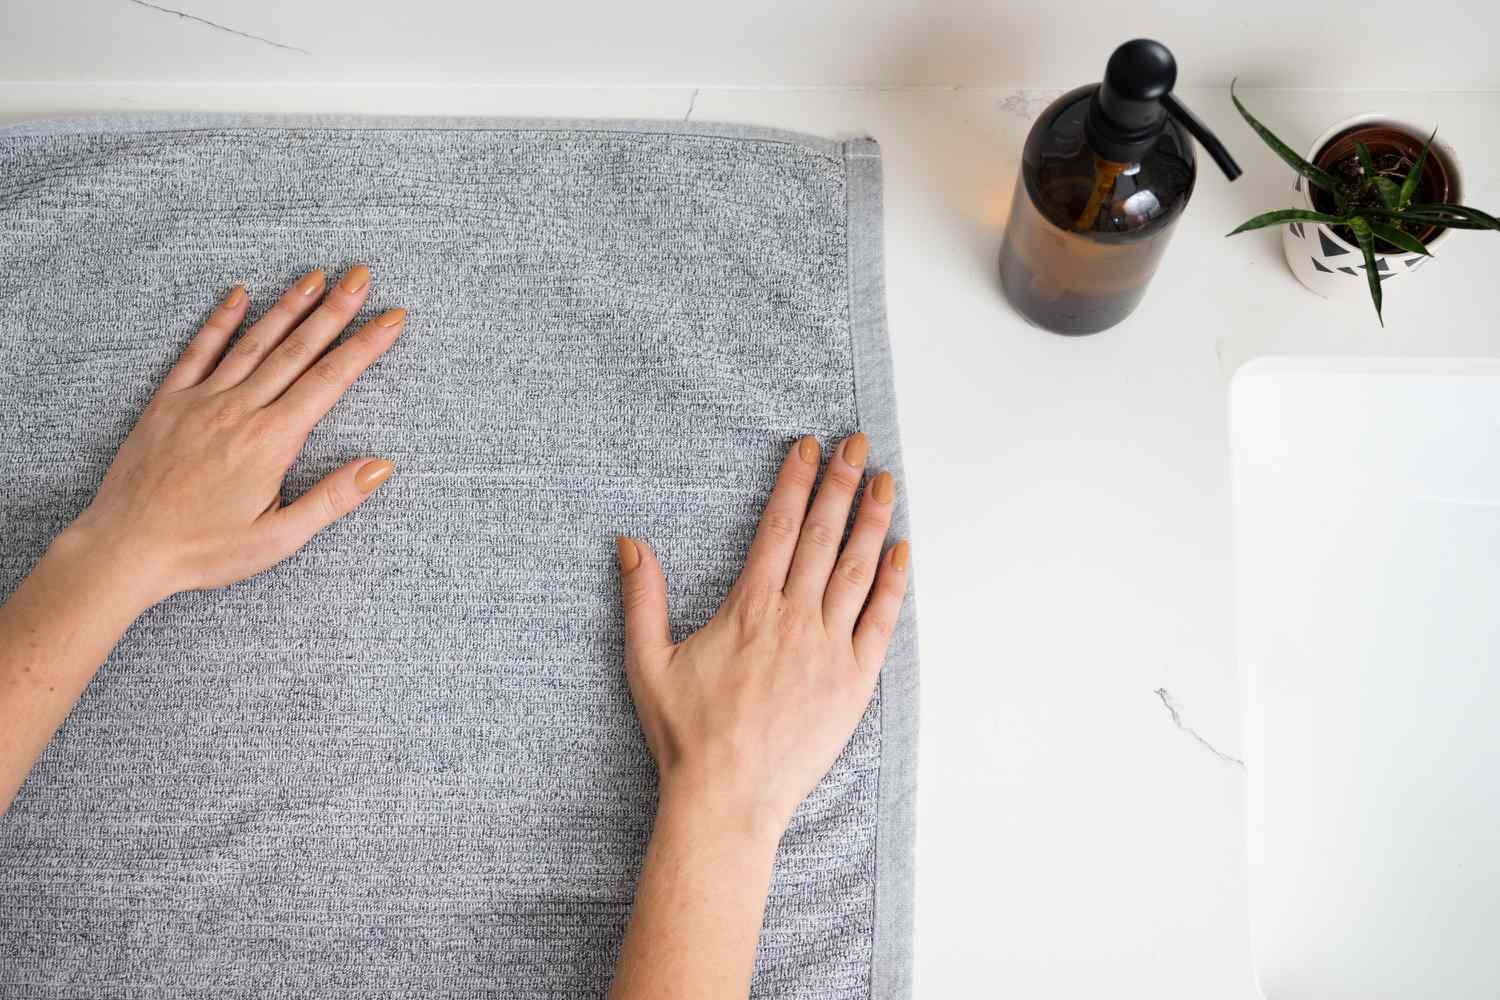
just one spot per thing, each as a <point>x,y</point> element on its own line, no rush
<point>1334,268</point>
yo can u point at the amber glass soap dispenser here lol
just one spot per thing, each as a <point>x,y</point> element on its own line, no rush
<point>1106,172</point>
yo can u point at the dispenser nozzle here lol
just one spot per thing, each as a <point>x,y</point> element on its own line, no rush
<point>1199,131</point>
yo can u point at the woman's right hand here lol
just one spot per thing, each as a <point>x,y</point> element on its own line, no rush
<point>746,715</point>
<point>193,498</point>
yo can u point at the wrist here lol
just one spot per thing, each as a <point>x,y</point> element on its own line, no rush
<point>708,810</point>
<point>97,561</point>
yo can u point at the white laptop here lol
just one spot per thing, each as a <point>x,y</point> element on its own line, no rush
<point>1367,532</point>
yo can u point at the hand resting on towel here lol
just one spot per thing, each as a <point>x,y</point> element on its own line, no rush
<point>193,498</point>
<point>747,714</point>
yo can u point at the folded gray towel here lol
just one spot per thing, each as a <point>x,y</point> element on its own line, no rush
<point>404,763</point>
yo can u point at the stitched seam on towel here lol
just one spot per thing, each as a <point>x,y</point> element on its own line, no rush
<point>849,298</point>
<point>266,127</point>
<point>860,422</point>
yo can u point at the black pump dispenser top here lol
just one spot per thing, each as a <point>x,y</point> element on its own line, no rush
<point>1128,111</point>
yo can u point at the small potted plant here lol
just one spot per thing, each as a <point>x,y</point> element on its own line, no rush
<point>1373,199</point>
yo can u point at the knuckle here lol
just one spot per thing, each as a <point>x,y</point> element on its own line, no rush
<point>226,415</point>
<point>876,514</point>
<point>634,594</point>
<point>371,339</point>
<point>267,429</point>
<point>821,534</point>
<point>335,503</point>
<point>882,625</point>
<point>890,583</point>
<point>250,347</point>
<point>795,622</point>
<point>841,478</point>
<point>296,350</point>
<point>800,473</point>
<point>781,525</point>
<point>193,353</point>
<point>855,570</point>
<point>327,374</point>
<point>217,326</point>
<point>753,603</point>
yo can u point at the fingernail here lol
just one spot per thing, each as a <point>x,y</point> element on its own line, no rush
<point>391,317</point>
<point>372,474</point>
<point>883,488</point>
<point>856,449</point>
<point>235,297</point>
<point>311,283</point>
<point>630,556</point>
<point>808,450</point>
<point>900,553</point>
<point>357,278</point>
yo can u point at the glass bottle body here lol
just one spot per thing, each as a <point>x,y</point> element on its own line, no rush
<point>1085,234</point>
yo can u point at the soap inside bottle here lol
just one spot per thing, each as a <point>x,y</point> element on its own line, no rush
<point>1085,234</point>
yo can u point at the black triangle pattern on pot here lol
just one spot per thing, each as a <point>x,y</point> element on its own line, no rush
<point>1350,271</point>
<point>1330,248</point>
<point>1298,186</point>
<point>1318,264</point>
<point>1412,263</point>
<point>1380,265</point>
<point>1296,228</point>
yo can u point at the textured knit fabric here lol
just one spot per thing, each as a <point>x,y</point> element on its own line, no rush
<point>404,763</point>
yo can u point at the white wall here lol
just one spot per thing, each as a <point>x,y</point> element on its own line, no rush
<point>1441,45</point>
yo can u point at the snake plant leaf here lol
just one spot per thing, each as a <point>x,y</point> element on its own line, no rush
<point>1465,212</point>
<point>1314,174</point>
<point>1414,175</point>
<point>1397,237</point>
<point>1426,218</point>
<point>1366,240</point>
<point>1387,189</point>
<point>1282,215</point>
<point>1454,216</point>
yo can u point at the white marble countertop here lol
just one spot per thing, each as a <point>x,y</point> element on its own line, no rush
<point>1080,810</point>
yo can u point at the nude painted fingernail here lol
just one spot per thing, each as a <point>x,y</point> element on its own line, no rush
<point>372,474</point>
<point>357,278</point>
<point>883,488</point>
<point>629,555</point>
<point>856,449</point>
<point>808,450</point>
<point>391,317</point>
<point>900,553</point>
<point>235,297</point>
<point>311,283</point>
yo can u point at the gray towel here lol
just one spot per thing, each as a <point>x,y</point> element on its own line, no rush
<point>405,763</point>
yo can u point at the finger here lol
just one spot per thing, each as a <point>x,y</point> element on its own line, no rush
<point>818,545</point>
<point>878,622</point>
<point>303,346</point>
<point>266,332</point>
<point>335,495</point>
<point>776,535</point>
<point>857,564</point>
<point>311,397</point>
<point>643,592</point>
<point>207,346</point>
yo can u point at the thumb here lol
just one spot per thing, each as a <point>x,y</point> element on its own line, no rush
<point>643,591</point>
<point>335,495</point>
